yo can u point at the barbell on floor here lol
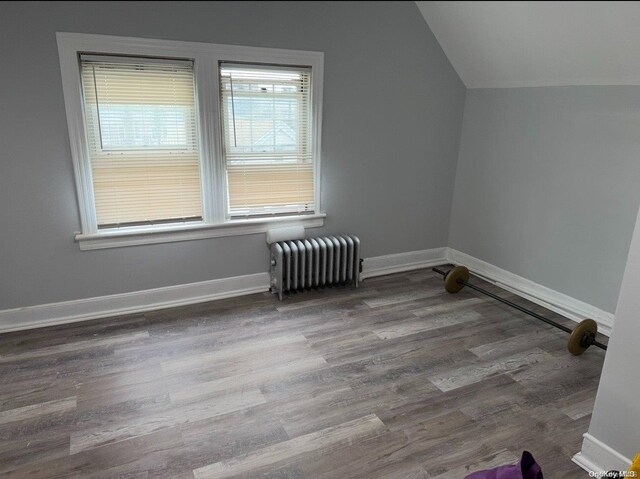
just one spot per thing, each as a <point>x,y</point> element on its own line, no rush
<point>581,337</point>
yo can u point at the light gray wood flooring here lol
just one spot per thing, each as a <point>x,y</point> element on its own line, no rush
<point>397,379</point>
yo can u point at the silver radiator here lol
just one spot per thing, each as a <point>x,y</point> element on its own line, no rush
<point>297,265</point>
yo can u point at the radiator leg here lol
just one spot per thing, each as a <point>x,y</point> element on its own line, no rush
<point>277,260</point>
<point>357,262</point>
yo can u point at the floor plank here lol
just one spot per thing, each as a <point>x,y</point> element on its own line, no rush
<point>279,454</point>
<point>35,410</point>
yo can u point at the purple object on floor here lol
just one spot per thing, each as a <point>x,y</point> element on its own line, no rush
<point>527,468</point>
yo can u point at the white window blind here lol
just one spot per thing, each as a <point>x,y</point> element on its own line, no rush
<point>266,121</point>
<point>140,119</point>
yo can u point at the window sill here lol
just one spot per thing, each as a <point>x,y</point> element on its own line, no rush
<point>122,237</point>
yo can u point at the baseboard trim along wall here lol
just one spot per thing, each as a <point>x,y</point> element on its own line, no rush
<point>596,456</point>
<point>560,303</point>
<point>126,303</point>
<point>147,300</point>
<point>400,262</point>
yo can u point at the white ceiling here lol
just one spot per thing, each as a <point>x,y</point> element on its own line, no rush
<point>513,44</point>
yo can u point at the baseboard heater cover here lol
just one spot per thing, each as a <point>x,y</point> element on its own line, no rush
<point>308,263</point>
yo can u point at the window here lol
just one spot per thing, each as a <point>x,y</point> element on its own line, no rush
<point>267,149</point>
<point>140,121</point>
<point>175,140</point>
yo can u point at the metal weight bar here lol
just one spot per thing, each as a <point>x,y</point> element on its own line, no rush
<point>586,339</point>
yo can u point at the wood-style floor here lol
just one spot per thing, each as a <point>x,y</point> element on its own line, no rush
<point>396,379</point>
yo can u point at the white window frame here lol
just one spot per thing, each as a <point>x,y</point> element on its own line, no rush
<point>206,57</point>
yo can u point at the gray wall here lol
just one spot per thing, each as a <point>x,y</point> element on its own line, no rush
<point>392,116</point>
<point>547,185</point>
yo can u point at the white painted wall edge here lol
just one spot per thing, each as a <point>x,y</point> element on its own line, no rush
<point>596,456</point>
<point>400,262</point>
<point>567,306</point>
<point>148,300</point>
<point>135,302</point>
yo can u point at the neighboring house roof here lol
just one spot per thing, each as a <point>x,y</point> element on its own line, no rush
<point>282,132</point>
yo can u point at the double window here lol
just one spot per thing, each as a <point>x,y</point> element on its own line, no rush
<point>174,140</point>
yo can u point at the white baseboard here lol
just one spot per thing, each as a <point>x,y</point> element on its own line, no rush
<point>400,262</point>
<point>138,301</point>
<point>148,300</point>
<point>555,301</point>
<point>596,456</point>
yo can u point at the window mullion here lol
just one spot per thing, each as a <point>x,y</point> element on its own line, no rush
<point>207,89</point>
<point>216,129</point>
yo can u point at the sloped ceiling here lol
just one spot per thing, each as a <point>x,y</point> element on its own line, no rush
<point>517,44</point>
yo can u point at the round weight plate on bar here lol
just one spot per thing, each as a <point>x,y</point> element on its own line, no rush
<point>577,343</point>
<point>451,279</point>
